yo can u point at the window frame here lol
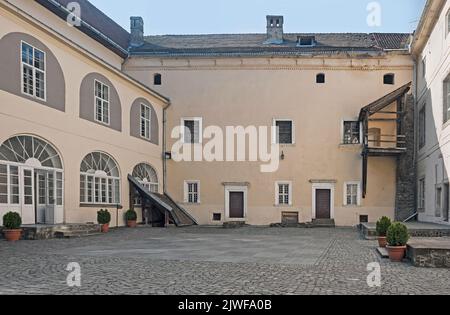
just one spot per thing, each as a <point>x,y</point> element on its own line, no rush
<point>34,70</point>
<point>108,101</point>
<point>145,121</point>
<point>353,121</point>
<point>385,76</point>
<point>421,194</point>
<point>278,195</point>
<point>200,131</point>
<point>446,100</point>
<point>321,75</point>
<point>358,193</point>
<point>275,134</point>
<point>187,193</point>
<point>422,127</point>
<point>155,81</point>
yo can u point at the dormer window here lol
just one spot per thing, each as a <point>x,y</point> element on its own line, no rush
<point>306,41</point>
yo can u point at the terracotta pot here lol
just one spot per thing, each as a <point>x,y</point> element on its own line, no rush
<point>132,224</point>
<point>382,241</point>
<point>12,235</point>
<point>396,253</point>
<point>105,228</point>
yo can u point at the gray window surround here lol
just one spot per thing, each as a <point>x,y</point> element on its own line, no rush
<point>135,121</point>
<point>87,101</point>
<point>11,69</point>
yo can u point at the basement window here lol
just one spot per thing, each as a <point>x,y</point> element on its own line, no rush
<point>389,79</point>
<point>217,217</point>
<point>157,79</point>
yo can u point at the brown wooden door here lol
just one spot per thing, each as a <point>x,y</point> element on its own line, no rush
<point>323,204</point>
<point>237,205</point>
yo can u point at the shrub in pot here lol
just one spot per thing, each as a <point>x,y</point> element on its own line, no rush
<point>12,223</point>
<point>131,217</point>
<point>104,218</point>
<point>382,227</point>
<point>397,238</point>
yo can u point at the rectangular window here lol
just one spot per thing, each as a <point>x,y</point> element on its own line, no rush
<point>438,201</point>
<point>51,188</point>
<point>59,189</point>
<point>192,192</point>
<point>33,71</point>
<point>192,130</point>
<point>284,131</point>
<point>352,194</point>
<point>3,184</point>
<point>421,194</point>
<point>14,195</point>
<point>101,102</point>
<point>284,193</point>
<point>28,187</point>
<point>352,132</point>
<point>145,121</point>
<point>422,126</point>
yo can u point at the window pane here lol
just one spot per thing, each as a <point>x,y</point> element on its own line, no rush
<point>59,189</point>
<point>82,188</point>
<point>39,60</point>
<point>27,54</point>
<point>28,81</point>
<point>284,132</point>
<point>40,84</point>
<point>28,187</point>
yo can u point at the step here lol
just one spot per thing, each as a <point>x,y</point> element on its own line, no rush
<point>324,223</point>
<point>233,224</point>
<point>76,233</point>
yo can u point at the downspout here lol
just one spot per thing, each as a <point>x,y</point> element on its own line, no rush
<point>164,147</point>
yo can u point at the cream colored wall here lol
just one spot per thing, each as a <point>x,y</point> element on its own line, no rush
<point>254,91</point>
<point>434,158</point>
<point>72,136</point>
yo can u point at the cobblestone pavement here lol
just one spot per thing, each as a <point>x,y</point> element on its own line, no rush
<point>202,260</point>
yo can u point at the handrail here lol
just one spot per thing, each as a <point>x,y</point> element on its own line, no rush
<point>411,217</point>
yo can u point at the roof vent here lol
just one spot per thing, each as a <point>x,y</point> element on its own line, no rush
<point>306,41</point>
<point>274,29</point>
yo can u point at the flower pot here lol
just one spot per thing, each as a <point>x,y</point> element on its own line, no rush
<point>132,224</point>
<point>12,235</point>
<point>396,253</point>
<point>382,241</point>
<point>105,228</point>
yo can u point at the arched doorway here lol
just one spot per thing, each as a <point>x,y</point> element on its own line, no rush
<point>31,180</point>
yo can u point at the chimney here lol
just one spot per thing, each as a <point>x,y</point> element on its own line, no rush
<point>137,31</point>
<point>275,29</point>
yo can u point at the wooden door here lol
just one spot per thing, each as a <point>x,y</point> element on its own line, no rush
<point>323,204</point>
<point>237,205</point>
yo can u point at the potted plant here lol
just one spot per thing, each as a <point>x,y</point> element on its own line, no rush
<point>12,223</point>
<point>104,218</point>
<point>397,238</point>
<point>382,227</point>
<point>131,218</point>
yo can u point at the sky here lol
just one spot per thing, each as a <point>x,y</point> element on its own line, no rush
<point>248,16</point>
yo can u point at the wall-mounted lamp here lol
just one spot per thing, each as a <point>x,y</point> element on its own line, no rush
<point>282,156</point>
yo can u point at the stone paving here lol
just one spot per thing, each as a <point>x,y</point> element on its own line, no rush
<point>200,260</point>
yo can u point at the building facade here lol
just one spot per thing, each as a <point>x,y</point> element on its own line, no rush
<point>73,125</point>
<point>431,49</point>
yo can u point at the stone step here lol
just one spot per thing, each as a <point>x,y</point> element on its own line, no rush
<point>76,233</point>
<point>233,224</point>
<point>324,223</point>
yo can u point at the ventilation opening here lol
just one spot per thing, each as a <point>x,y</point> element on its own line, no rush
<point>157,79</point>
<point>389,79</point>
<point>320,78</point>
<point>363,219</point>
<point>217,217</point>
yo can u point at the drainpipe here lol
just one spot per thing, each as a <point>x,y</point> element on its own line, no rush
<point>164,147</point>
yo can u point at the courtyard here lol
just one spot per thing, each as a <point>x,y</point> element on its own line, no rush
<point>202,260</point>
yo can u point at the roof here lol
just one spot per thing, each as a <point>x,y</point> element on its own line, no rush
<point>383,102</point>
<point>95,24</point>
<point>254,44</point>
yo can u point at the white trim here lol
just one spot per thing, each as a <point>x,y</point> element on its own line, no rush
<point>275,134</point>
<point>359,194</point>
<point>146,120</point>
<point>277,193</point>
<point>200,127</point>
<point>108,101</point>
<point>186,191</point>
<point>327,186</point>
<point>228,190</point>
<point>34,70</point>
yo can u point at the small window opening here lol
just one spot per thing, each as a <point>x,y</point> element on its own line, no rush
<point>217,217</point>
<point>157,79</point>
<point>389,79</point>
<point>320,78</point>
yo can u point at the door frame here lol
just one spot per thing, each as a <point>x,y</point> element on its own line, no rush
<point>230,189</point>
<point>323,186</point>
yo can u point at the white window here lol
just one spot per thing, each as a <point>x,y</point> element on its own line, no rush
<point>283,193</point>
<point>101,102</point>
<point>191,129</point>
<point>146,175</point>
<point>352,194</point>
<point>284,131</point>
<point>99,180</point>
<point>352,132</point>
<point>145,121</point>
<point>192,192</point>
<point>33,71</point>
<point>421,194</point>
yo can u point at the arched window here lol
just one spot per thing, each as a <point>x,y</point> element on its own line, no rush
<point>99,180</point>
<point>157,79</point>
<point>320,78</point>
<point>389,79</point>
<point>147,177</point>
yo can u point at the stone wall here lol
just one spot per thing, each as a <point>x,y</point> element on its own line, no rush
<point>406,169</point>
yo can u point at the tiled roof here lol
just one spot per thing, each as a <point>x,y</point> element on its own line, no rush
<point>229,44</point>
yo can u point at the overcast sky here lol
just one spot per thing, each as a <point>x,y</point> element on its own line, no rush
<point>248,16</point>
